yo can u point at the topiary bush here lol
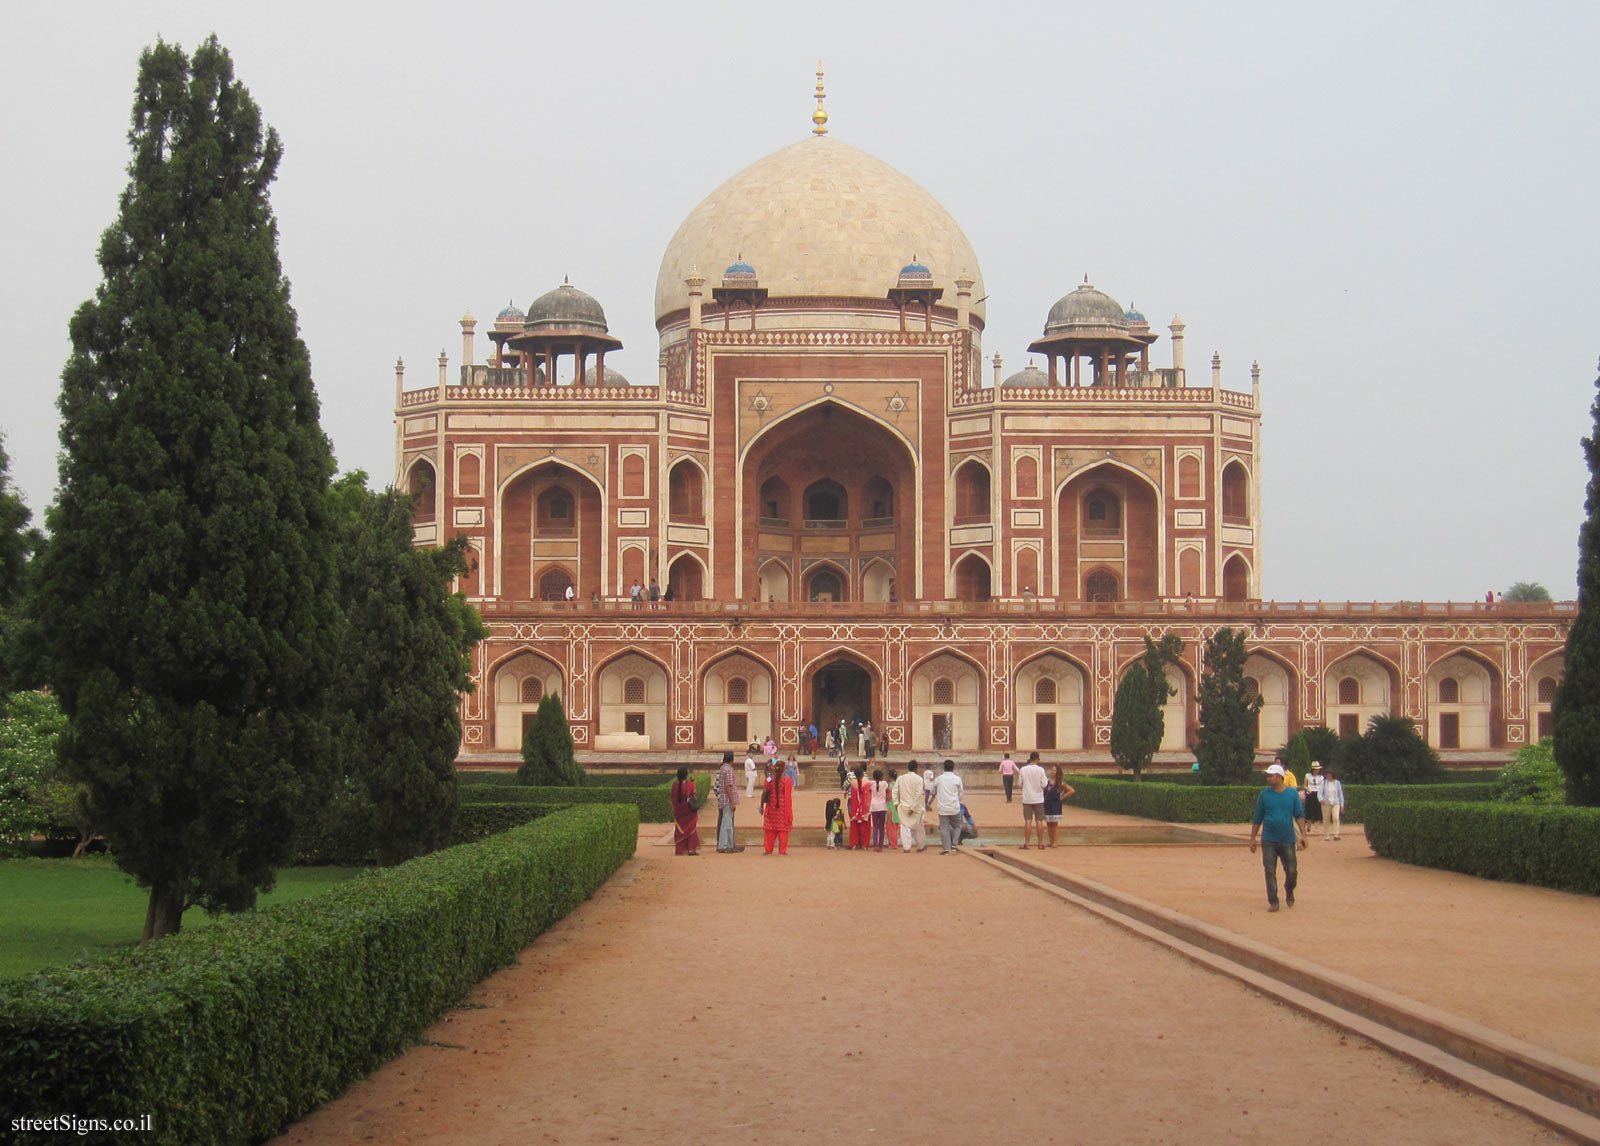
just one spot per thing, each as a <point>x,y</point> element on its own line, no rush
<point>1545,844</point>
<point>547,752</point>
<point>227,1033</point>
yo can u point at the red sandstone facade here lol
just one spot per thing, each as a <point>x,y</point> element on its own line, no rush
<point>850,521</point>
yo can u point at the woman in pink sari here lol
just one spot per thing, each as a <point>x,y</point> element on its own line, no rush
<point>685,816</point>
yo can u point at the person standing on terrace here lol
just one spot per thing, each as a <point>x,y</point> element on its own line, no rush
<point>777,812</point>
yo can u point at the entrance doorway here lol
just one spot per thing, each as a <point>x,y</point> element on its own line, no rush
<point>1044,731</point>
<point>944,731</point>
<point>841,690</point>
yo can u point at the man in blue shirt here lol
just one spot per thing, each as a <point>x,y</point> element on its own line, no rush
<point>1278,820</point>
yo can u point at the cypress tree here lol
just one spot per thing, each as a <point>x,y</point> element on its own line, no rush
<point>1225,746</point>
<point>187,597</point>
<point>1136,721</point>
<point>1576,711</point>
<point>404,662</point>
<point>547,749</point>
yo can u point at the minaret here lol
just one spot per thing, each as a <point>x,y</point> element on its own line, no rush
<point>468,326</point>
<point>1216,370</point>
<point>997,370</point>
<point>964,285</point>
<point>1177,328</point>
<point>820,117</point>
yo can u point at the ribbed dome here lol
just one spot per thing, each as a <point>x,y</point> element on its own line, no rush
<point>511,313</point>
<point>1085,306</point>
<point>739,273</point>
<point>820,218</point>
<point>1032,376</point>
<point>565,306</point>
<point>914,275</point>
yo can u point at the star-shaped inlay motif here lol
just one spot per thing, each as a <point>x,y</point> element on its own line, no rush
<point>760,403</point>
<point>895,403</point>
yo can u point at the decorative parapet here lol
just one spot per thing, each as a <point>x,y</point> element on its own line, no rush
<point>1111,395</point>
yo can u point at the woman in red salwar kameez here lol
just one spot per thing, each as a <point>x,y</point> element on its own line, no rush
<point>777,812</point>
<point>685,816</point>
<point>860,812</point>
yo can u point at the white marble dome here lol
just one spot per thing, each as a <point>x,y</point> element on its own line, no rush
<point>819,218</point>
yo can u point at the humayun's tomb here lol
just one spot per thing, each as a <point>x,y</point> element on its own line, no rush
<point>850,515</point>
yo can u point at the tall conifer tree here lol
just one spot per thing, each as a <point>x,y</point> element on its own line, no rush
<point>403,665</point>
<point>1576,711</point>
<point>17,542</point>
<point>1225,745</point>
<point>187,597</point>
<point>1136,721</point>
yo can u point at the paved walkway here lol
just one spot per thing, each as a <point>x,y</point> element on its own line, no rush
<point>828,997</point>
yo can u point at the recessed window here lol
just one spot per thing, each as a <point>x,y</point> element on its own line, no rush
<point>633,690</point>
<point>532,690</point>
<point>1044,690</point>
<point>738,690</point>
<point>1349,691</point>
<point>1449,691</point>
<point>944,691</point>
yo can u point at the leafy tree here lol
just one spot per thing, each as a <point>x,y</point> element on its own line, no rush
<point>1526,591</point>
<point>1157,656</point>
<point>547,756</point>
<point>28,732</point>
<point>1136,722</point>
<point>1225,746</point>
<point>1576,710</point>
<point>1532,777</point>
<point>17,544</point>
<point>1391,751</point>
<point>188,596</point>
<point>403,664</point>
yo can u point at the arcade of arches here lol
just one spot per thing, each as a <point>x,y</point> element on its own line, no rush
<point>1052,701</point>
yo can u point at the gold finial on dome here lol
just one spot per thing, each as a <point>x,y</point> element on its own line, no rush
<point>820,117</point>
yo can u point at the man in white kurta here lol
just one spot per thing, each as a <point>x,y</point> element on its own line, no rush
<point>908,796</point>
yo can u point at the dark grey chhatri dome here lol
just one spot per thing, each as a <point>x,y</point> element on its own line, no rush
<point>565,307</point>
<point>1085,306</point>
<point>1032,376</point>
<point>609,376</point>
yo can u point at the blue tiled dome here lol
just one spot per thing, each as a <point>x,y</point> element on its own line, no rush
<point>915,272</point>
<point>1134,315</point>
<point>739,271</point>
<point>512,313</point>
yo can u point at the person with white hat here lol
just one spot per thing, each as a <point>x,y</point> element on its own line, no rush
<point>1279,821</point>
<point>1311,795</point>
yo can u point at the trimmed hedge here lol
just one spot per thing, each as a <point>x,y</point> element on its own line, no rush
<point>1550,845</point>
<point>227,1033</point>
<point>1233,804</point>
<point>654,804</point>
<point>476,822</point>
<point>591,779</point>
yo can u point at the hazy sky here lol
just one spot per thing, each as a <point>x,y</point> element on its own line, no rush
<point>1394,207</point>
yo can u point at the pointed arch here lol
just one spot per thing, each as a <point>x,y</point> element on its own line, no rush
<point>1047,724</point>
<point>632,688</point>
<point>947,700</point>
<point>774,581</point>
<point>876,580</point>
<point>972,577</point>
<point>1377,692</point>
<point>733,716</point>
<point>1473,719</point>
<point>1279,681</point>
<point>687,576</point>
<point>686,490</point>
<point>527,509</point>
<point>422,482</point>
<point>825,581</point>
<point>515,703</point>
<point>1237,578</point>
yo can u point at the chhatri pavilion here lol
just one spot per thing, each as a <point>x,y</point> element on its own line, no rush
<point>850,514</point>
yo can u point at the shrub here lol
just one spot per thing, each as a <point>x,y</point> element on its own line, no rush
<point>1390,752</point>
<point>1533,777</point>
<point>227,1033</point>
<point>476,822</point>
<point>1545,844</point>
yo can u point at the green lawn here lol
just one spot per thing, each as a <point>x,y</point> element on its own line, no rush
<point>59,911</point>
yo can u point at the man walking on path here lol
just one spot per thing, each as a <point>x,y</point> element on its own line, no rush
<point>1034,778</point>
<point>947,793</point>
<point>908,794</point>
<point>727,789</point>
<point>1279,821</point>
<point>1008,774</point>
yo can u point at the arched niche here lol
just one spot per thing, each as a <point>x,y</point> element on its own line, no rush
<point>549,514</point>
<point>520,682</point>
<point>946,705</point>
<point>1274,686</point>
<point>1108,517</point>
<point>1049,702</point>
<point>686,492</point>
<point>876,580</point>
<point>1236,579</point>
<point>972,578</point>
<point>1235,494</point>
<point>737,694</point>
<point>421,484</point>
<point>1356,688</point>
<point>970,487</point>
<point>686,578</point>
<point>1462,692</point>
<point>632,708</point>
